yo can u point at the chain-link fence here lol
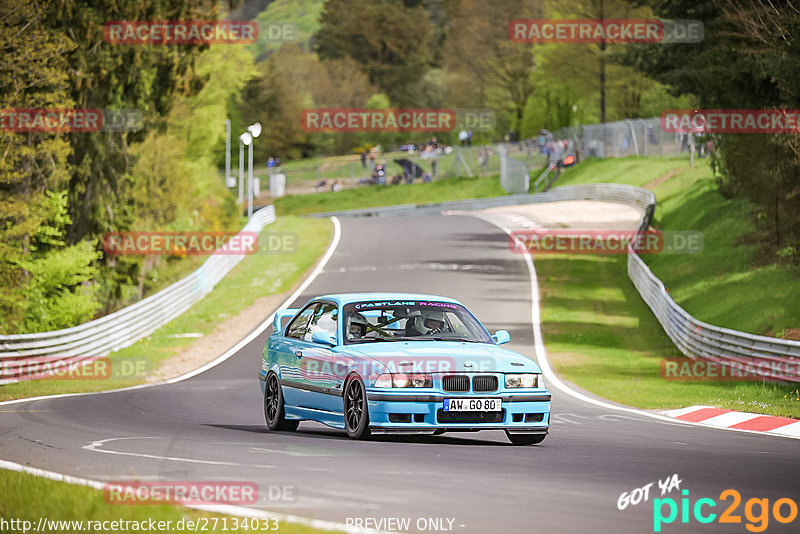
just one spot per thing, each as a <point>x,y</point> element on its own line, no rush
<point>631,137</point>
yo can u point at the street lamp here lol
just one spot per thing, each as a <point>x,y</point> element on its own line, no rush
<point>254,130</point>
<point>228,153</point>
<point>244,139</point>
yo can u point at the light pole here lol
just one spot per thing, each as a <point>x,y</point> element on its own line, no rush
<point>244,139</point>
<point>227,153</point>
<point>254,130</point>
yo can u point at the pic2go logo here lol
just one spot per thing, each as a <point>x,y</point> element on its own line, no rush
<point>756,511</point>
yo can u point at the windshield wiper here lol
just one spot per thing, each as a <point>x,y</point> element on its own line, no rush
<point>465,340</point>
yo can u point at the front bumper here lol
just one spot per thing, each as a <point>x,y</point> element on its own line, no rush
<point>391,412</point>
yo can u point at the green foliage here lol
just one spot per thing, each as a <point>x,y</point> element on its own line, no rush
<point>389,195</point>
<point>749,58</point>
<point>390,41</point>
<point>103,75</point>
<point>38,274</point>
<point>174,184</point>
<point>59,193</point>
<point>303,15</point>
<point>58,295</point>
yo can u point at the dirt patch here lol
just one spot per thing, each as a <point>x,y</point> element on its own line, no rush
<point>652,184</point>
<point>229,332</point>
<point>792,333</point>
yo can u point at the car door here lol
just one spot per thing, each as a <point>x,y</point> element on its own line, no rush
<point>316,361</point>
<point>295,387</point>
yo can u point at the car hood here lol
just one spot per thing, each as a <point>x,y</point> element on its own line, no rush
<point>445,356</point>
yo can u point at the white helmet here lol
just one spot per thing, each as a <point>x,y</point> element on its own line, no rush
<point>430,322</point>
<point>356,320</point>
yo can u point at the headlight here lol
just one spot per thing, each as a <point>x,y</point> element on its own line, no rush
<point>403,380</point>
<point>525,380</point>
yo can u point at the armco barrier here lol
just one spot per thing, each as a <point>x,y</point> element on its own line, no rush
<point>762,355</point>
<point>694,338</point>
<point>126,326</point>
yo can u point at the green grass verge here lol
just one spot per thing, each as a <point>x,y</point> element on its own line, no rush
<point>388,195</point>
<point>255,276</point>
<point>29,498</point>
<point>349,166</point>
<point>603,337</point>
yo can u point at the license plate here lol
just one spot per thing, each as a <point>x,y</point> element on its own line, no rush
<point>472,405</point>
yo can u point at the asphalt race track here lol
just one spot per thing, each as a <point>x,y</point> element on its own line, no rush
<point>211,427</point>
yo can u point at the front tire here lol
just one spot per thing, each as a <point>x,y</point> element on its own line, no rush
<point>356,413</point>
<point>274,413</point>
<point>525,439</point>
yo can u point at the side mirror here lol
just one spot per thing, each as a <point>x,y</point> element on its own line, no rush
<point>501,336</point>
<point>323,337</point>
<point>281,315</point>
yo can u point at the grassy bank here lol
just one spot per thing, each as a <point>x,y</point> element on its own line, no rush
<point>255,276</point>
<point>602,336</point>
<point>22,500</point>
<point>388,195</point>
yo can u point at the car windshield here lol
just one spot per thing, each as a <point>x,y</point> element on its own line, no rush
<point>369,322</point>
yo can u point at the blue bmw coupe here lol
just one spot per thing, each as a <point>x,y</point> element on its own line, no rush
<point>373,363</point>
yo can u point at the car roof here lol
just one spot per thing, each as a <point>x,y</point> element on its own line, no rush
<point>346,298</point>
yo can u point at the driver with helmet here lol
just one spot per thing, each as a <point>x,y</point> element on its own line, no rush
<point>357,326</point>
<point>428,323</point>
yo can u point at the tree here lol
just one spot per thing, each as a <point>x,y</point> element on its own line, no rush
<point>484,68</point>
<point>749,58</point>
<point>42,281</point>
<point>103,75</point>
<point>392,43</point>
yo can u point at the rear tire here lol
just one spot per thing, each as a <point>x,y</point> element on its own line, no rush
<point>356,412</point>
<point>525,439</point>
<point>274,413</point>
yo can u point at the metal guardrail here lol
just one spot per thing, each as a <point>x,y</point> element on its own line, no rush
<point>761,355</point>
<point>699,340</point>
<point>124,327</point>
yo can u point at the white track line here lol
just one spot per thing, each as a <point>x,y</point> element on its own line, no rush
<point>544,363</point>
